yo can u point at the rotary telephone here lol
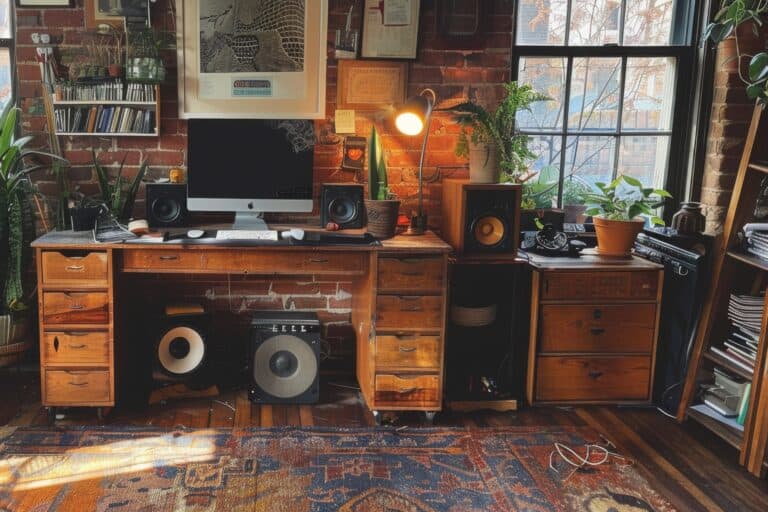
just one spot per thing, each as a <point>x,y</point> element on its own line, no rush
<point>550,242</point>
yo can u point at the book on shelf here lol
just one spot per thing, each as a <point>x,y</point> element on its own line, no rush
<point>726,394</point>
<point>711,413</point>
<point>744,405</point>
<point>746,366</point>
<point>115,119</point>
<point>108,90</point>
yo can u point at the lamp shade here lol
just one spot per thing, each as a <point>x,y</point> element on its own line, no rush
<point>413,115</point>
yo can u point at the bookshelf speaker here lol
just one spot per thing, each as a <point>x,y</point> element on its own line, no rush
<point>342,203</point>
<point>167,204</point>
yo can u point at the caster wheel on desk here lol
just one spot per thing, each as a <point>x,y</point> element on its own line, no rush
<point>51,413</point>
<point>376,417</point>
<point>429,416</point>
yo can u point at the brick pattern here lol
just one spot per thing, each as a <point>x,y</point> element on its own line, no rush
<point>731,114</point>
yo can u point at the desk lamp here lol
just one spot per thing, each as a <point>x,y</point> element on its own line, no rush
<point>412,118</point>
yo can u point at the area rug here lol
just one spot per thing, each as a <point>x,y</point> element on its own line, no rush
<point>310,469</point>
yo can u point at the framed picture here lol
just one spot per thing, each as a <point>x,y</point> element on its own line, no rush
<point>103,12</point>
<point>45,3</point>
<point>390,29</point>
<point>371,85</point>
<point>237,61</point>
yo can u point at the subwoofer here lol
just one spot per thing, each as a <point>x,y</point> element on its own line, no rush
<point>481,220</point>
<point>284,358</point>
<point>180,349</point>
<point>167,204</point>
<point>342,203</point>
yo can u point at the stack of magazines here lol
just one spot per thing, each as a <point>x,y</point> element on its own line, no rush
<point>740,347</point>
<point>756,239</point>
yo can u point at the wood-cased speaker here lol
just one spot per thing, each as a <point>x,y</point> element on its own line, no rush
<point>342,203</point>
<point>284,358</point>
<point>481,219</point>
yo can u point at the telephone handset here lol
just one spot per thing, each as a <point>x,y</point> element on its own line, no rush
<point>550,242</point>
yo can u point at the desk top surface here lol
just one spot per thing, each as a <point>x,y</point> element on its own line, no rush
<point>83,240</point>
<point>590,260</point>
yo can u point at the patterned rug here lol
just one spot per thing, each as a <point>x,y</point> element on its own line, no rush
<point>312,470</point>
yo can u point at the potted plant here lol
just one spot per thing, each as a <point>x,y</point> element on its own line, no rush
<point>617,210</point>
<point>142,57</point>
<point>120,194</point>
<point>17,230</point>
<point>494,143</point>
<point>381,207</point>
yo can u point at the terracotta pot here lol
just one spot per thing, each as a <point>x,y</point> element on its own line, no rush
<point>483,163</point>
<point>382,217</point>
<point>115,70</point>
<point>616,237</point>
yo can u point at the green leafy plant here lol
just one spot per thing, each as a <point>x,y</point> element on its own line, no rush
<point>17,219</point>
<point>624,199</point>
<point>120,194</point>
<point>497,127</point>
<point>377,169</point>
<point>732,14</point>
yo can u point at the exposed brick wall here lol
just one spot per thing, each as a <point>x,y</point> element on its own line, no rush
<point>731,114</point>
<point>477,72</point>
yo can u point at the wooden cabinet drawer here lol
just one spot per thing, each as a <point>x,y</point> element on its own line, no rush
<point>162,260</point>
<point>59,268</point>
<point>88,348</point>
<point>409,390</point>
<point>408,351</point>
<point>597,328</point>
<point>599,285</point>
<point>75,308</point>
<point>417,273</point>
<point>593,378</point>
<point>287,262</point>
<point>409,312</point>
<point>76,387</point>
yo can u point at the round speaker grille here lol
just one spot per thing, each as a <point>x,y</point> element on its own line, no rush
<point>284,366</point>
<point>181,350</point>
<point>166,209</point>
<point>342,210</point>
<point>489,230</point>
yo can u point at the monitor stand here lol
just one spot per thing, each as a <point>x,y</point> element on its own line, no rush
<point>250,221</point>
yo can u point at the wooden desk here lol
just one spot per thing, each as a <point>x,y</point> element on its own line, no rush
<point>398,309</point>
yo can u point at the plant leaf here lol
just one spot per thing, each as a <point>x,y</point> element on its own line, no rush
<point>758,67</point>
<point>632,181</point>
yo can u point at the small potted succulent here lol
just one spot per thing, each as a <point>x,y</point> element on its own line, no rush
<point>617,213</point>
<point>381,207</point>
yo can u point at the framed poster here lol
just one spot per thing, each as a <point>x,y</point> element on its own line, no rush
<point>105,12</point>
<point>258,60</point>
<point>390,29</point>
<point>44,3</point>
<point>371,85</point>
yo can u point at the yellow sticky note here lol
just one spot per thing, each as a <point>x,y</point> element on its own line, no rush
<point>345,121</point>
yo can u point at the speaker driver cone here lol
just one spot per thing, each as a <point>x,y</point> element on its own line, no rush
<point>166,209</point>
<point>284,366</point>
<point>181,350</point>
<point>489,230</point>
<point>342,210</point>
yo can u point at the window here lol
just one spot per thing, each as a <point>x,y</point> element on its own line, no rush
<point>6,53</point>
<point>616,74</point>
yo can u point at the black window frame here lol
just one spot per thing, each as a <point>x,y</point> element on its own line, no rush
<point>687,18</point>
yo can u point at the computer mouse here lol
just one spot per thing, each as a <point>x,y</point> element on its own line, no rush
<point>195,233</point>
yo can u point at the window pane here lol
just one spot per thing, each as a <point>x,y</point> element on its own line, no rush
<point>5,77</point>
<point>5,19</point>
<point>542,188</point>
<point>541,22</point>
<point>594,22</point>
<point>546,75</point>
<point>645,158</point>
<point>648,22</point>
<point>590,158</point>
<point>594,94</point>
<point>649,94</point>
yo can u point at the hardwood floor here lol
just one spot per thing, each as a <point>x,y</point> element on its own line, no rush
<point>694,469</point>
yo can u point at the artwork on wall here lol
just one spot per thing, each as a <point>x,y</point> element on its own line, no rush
<point>371,85</point>
<point>44,3</point>
<point>112,12</point>
<point>245,59</point>
<point>390,29</point>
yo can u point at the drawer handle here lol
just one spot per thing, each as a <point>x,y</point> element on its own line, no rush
<point>56,343</point>
<point>77,334</point>
<point>407,349</point>
<point>78,384</point>
<point>408,297</point>
<point>411,309</point>
<point>595,375</point>
<point>169,257</point>
<point>597,331</point>
<point>76,306</point>
<point>403,391</point>
<point>597,314</point>
<point>74,268</point>
<point>412,273</point>
<point>77,347</point>
<point>412,261</point>
<point>318,260</point>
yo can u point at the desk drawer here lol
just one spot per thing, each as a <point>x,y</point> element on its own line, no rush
<point>597,328</point>
<point>76,387</point>
<point>70,270</point>
<point>294,262</point>
<point>417,273</point>
<point>408,351</point>
<point>162,260</point>
<point>89,348</point>
<point>597,378</point>
<point>599,285</point>
<point>409,390</point>
<point>409,312</point>
<point>75,308</point>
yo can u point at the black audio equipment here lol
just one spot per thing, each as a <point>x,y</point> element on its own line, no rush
<point>342,203</point>
<point>167,204</point>
<point>284,357</point>
<point>180,348</point>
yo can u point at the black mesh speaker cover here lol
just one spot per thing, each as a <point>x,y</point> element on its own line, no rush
<point>167,204</point>
<point>342,204</point>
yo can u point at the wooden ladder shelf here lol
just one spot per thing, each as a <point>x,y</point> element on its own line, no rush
<point>735,271</point>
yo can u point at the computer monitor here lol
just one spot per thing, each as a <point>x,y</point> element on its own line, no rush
<point>250,166</point>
